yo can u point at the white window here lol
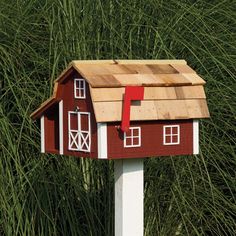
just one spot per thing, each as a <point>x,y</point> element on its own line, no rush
<point>79,88</point>
<point>79,131</point>
<point>132,138</point>
<point>171,135</point>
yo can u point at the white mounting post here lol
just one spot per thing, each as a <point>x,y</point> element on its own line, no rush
<point>129,197</point>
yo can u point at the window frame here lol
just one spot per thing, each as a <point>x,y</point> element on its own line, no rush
<point>132,137</point>
<point>79,89</point>
<point>171,134</point>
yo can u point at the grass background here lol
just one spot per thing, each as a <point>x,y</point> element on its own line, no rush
<point>53,195</point>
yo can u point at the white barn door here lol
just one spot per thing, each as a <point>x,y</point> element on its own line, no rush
<point>79,131</point>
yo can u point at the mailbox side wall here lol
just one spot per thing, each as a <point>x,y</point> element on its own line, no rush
<point>151,140</point>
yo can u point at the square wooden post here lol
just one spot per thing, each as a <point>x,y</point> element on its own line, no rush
<point>129,212</point>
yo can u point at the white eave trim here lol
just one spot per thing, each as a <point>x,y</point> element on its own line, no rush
<point>42,134</point>
<point>61,130</point>
<point>195,137</point>
<point>102,140</point>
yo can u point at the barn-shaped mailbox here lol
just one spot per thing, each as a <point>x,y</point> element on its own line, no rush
<point>123,109</point>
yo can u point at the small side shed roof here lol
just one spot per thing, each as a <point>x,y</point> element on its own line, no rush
<point>173,90</point>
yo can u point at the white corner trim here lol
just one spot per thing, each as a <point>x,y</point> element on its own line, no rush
<point>42,129</point>
<point>102,140</point>
<point>61,139</point>
<point>195,137</point>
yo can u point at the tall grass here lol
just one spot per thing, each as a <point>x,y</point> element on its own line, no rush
<point>54,195</point>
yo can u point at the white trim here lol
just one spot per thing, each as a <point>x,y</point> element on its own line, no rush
<point>195,137</point>
<point>61,130</point>
<point>102,140</point>
<point>132,137</point>
<point>129,196</point>
<point>81,87</point>
<point>171,134</point>
<point>42,133</point>
<point>79,137</point>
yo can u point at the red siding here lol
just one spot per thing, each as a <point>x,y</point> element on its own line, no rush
<point>85,105</point>
<point>51,123</point>
<point>151,140</point>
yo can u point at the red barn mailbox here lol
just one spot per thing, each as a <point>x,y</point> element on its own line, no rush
<point>127,110</point>
<point>84,115</point>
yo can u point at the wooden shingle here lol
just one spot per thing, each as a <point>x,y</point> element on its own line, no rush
<point>172,89</point>
<point>153,110</point>
<point>151,93</point>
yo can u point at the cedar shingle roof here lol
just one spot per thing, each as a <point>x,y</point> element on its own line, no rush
<point>173,90</point>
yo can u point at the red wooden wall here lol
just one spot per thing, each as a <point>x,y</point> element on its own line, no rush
<point>151,140</point>
<point>85,105</point>
<point>51,127</point>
